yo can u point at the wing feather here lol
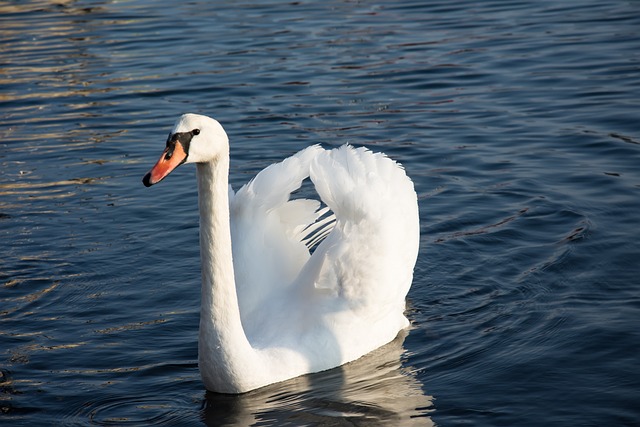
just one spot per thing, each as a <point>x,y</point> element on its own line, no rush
<point>369,255</point>
<point>367,234</point>
<point>267,230</point>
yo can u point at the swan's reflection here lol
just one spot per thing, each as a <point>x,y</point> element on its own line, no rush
<point>374,390</point>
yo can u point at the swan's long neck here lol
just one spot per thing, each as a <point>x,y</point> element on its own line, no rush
<point>224,352</point>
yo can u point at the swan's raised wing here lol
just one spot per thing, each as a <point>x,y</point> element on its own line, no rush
<point>268,230</point>
<point>367,260</point>
<point>363,265</point>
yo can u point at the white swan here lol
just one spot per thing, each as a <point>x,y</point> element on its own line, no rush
<point>271,310</point>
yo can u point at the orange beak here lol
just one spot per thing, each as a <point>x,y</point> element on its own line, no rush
<point>172,157</point>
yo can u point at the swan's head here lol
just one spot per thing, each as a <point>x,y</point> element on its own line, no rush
<point>194,139</point>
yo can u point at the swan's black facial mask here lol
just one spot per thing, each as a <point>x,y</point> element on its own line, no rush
<point>184,139</point>
<point>175,154</point>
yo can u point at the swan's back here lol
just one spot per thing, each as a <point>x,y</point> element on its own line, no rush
<point>351,291</point>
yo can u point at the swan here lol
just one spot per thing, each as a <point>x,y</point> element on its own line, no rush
<point>272,308</point>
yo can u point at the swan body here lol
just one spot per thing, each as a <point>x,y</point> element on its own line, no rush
<point>272,309</point>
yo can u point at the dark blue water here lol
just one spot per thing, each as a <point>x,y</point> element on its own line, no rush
<point>518,121</point>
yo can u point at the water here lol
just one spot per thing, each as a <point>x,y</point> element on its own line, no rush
<point>518,122</point>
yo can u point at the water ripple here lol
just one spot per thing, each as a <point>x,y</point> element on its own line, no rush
<point>516,120</point>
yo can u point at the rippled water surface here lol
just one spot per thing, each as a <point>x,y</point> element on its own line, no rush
<point>519,122</point>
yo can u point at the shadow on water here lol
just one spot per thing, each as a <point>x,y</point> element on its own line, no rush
<point>374,390</point>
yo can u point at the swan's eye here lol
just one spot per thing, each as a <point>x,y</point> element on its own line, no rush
<point>196,131</point>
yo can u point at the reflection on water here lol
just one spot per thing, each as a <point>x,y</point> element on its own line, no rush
<point>377,389</point>
<point>374,390</point>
